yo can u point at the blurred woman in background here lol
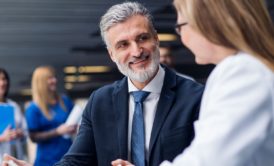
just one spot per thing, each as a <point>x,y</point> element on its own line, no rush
<point>12,136</point>
<point>46,115</point>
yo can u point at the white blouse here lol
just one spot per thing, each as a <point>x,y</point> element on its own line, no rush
<point>236,123</point>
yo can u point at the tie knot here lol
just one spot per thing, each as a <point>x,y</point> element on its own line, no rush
<point>140,96</point>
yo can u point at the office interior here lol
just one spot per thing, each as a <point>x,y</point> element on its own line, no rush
<point>65,34</point>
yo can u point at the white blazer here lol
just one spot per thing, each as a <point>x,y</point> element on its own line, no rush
<point>236,123</point>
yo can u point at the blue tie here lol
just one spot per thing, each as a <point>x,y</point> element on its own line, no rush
<point>138,132</point>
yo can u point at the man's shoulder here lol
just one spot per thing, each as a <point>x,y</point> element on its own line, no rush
<point>188,84</point>
<point>181,82</point>
<point>110,88</point>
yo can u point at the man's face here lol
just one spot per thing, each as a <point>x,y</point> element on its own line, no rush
<point>134,48</point>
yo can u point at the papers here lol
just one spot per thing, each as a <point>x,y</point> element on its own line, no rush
<point>6,117</point>
<point>75,115</point>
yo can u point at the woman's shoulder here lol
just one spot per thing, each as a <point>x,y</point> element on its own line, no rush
<point>12,102</point>
<point>242,64</point>
<point>32,106</point>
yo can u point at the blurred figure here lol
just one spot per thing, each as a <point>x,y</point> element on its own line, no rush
<point>12,140</point>
<point>166,58</point>
<point>46,116</point>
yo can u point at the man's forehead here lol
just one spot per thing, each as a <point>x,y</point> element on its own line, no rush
<point>129,29</point>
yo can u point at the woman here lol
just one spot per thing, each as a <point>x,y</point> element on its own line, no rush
<point>235,126</point>
<point>12,135</point>
<point>46,116</point>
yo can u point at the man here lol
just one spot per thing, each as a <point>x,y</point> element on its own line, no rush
<point>108,129</point>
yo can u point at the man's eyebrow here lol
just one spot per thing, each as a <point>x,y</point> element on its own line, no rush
<point>142,34</point>
<point>119,42</point>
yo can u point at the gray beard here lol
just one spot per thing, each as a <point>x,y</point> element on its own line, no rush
<point>143,75</point>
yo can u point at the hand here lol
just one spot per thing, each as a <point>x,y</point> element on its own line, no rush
<point>8,135</point>
<point>120,162</point>
<point>66,129</point>
<point>19,133</point>
<point>6,158</point>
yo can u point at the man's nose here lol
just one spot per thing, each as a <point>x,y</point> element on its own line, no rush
<point>136,49</point>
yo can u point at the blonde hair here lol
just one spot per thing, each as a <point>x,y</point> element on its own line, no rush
<point>40,93</point>
<point>243,25</point>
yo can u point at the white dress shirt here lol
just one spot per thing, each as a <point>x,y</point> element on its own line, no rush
<point>149,106</point>
<point>236,123</point>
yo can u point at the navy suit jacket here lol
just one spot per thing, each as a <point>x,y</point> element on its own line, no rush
<point>103,134</point>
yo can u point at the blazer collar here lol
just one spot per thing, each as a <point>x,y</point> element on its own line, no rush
<point>164,104</point>
<point>120,101</point>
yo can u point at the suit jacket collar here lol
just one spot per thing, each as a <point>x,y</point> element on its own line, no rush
<point>164,104</point>
<point>120,100</point>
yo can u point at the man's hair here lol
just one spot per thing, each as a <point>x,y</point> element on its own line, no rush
<point>120,13</point>
<point>243,25</point>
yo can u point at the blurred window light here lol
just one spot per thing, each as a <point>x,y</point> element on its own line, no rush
<point>167,37</point>
<point>70,69</point>
<point>68,86</point>
<point>93,69</point>
<point>78,78</point>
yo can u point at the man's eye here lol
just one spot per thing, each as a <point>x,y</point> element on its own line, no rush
<point>122,45</point>
<point>143,38</point>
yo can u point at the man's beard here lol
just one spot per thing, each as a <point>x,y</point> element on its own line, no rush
<point>146,73</point>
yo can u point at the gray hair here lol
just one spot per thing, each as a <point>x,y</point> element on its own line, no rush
<point>120,13</point>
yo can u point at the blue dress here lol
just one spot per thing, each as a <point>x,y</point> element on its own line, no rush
<point>52,150</point>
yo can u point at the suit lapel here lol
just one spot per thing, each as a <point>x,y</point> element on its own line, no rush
<point>164,105</point>
<point>120,101</point>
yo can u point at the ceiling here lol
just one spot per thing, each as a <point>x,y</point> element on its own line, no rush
<point>64,33</point>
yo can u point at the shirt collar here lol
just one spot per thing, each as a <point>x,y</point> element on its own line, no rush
<point>154,86</point>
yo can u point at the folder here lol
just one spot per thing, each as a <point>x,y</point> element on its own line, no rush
<point>6,117</point>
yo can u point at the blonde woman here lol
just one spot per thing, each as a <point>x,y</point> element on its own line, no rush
<point>236,123</point>
<point>46,116</point>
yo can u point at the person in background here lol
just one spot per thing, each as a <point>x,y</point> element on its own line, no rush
<point>12,140</point>
<point>167,59</point>
<point>235,126</point>
<point>46,116</point>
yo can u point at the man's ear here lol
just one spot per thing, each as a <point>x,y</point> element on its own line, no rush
<point>111,55</point>
<point>156,38</point>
